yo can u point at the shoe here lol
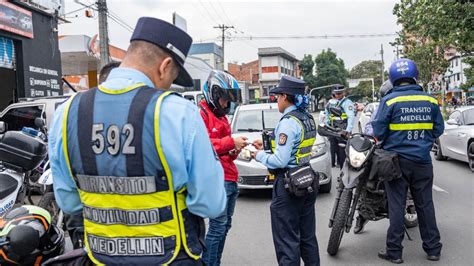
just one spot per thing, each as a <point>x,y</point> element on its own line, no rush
<point>383,255</point>
<point>360,223</point>
<point>433,257</point>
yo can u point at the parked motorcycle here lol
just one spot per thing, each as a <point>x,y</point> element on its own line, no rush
<point>21,152</point>
<point>355,191</point>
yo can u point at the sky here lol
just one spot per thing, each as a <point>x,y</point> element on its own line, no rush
<point>258,18</point>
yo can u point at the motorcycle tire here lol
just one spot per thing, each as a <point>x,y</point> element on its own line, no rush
<point>340,221</point>
<point>48,202</point>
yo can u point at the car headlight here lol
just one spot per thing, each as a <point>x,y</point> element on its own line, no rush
<point>357,158</point>
<point>318,149</point>
<point>245,155</point>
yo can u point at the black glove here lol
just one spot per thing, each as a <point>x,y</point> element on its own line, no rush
<point>345,134</point>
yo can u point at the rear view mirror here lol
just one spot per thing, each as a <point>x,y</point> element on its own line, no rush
<point>39,122</point>
<point>335,111</point>
<point>3,127</point>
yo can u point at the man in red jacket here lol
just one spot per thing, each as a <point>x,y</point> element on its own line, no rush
<point>219,91</point>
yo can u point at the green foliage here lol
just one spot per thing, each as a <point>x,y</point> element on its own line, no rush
<point>367,69</point>
<point>329,70</point>
<point>469,73</point>
<point>430,27</point>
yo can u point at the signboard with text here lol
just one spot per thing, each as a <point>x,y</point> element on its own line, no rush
<point>16,19</point>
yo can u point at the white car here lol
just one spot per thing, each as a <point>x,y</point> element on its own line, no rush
<point>252,174</point>
<point>457,141</point>
<point>366,114</point>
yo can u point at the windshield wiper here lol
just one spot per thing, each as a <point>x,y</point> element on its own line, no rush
<point>249,130</point>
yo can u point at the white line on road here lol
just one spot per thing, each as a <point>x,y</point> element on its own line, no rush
<point>435,187</point>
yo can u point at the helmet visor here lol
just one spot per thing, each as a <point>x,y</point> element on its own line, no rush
<point>232,95</point>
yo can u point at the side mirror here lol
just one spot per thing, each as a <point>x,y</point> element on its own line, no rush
<point>452,122</point>
<point>39,122</point>
<point>335,111</point>
<point>3,127</point>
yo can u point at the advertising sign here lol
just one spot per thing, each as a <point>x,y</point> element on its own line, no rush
<point>16,19</point>
<point>7,53</point>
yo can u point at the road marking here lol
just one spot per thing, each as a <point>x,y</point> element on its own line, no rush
<point>435,187</point>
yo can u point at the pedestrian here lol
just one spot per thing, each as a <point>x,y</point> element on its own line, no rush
<point>292,214</point>
<point>135,158</point>
<point>105,71</point>
<point>407,123</point>
<point>332,140</point>
<point>344,122</point>
<point>220,90</point>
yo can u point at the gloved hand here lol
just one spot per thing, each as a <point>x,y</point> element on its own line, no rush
<point>345,134</point>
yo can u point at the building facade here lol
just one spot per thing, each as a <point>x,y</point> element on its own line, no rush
<point>30,63</point>
<point>211,53</point>
<point>274,62</point>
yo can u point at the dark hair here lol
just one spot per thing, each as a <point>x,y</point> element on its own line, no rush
<point>105,71</point>
<point>291,98</point>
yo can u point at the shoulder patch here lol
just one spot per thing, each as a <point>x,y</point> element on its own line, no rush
<point>282,139</point>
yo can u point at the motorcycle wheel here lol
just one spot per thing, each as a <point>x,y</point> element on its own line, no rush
<point>340,221</point>
<point>48,203</point>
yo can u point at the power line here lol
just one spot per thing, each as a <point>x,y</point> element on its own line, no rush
<point>82,8</point>
<point>327,36</point>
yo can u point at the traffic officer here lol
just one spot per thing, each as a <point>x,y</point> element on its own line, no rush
<point>344,122</point>
<point>293,218</point>
<point>408,121</point>
<point>332,140</point>
<point>136,159</point>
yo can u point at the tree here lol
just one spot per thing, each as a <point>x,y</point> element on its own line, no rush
<point>469,73</point>
<point>430,27</point>
<point>367,69</point>
<point>329,70</point>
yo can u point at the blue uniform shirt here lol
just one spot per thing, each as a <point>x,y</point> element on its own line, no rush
<point>348,106</point>
<point>284,154</point>
<point>185,143</point>
<point>407,121</point>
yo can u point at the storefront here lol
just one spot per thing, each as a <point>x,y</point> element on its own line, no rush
<point>30,62</point>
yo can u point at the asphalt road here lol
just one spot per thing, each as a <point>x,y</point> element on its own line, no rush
<point>250,241</point>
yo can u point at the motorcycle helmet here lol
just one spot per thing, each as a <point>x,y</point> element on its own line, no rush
<point>403,70</point>
<point>385,89</point>
<point>27,237</point>
<point>219,85</point>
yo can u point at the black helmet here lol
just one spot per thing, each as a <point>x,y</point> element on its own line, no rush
<point>385,89</point>
<point>27,236</point>
<point>219,85</point>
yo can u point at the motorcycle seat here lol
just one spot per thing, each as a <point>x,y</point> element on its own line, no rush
<point>7,185</point>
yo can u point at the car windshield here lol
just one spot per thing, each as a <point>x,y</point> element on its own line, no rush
<point>251,120</point>
<point>469,117</point>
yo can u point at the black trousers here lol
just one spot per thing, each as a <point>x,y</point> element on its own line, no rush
<point>333,149</point>
<point>293,227</point>
<point>341,154</point>
<point>419,177</point>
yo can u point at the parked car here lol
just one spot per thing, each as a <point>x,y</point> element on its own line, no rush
<point>457,141</point>
<point>366,114</point>
<point>252,174</point>
<point>24,113</point>
<point>193,96</point>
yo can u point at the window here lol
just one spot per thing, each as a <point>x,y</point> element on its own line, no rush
<point>456,116</point>
<point>458,76</point>
<point>19,117</point>
<point>456,61</point>
<point>469,117</point>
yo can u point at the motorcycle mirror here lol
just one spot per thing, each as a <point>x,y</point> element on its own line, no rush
<point>39,122</point>
<point>23,240</point>
<point>335,111</point>
<point>3,127</point>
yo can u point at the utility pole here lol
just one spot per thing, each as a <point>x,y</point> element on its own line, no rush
<point>383,65</point>
<point>223,27</point>
<point>103,33</point>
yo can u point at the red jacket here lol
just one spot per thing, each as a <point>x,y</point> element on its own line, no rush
<point>220,134</point>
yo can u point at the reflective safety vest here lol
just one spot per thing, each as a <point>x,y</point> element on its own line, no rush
<point>308,136</point>
<point>336,120</point>
<point>132,215</point>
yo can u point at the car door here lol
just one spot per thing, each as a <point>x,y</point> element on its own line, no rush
<point>464,133</point>
<point>449,140</point>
